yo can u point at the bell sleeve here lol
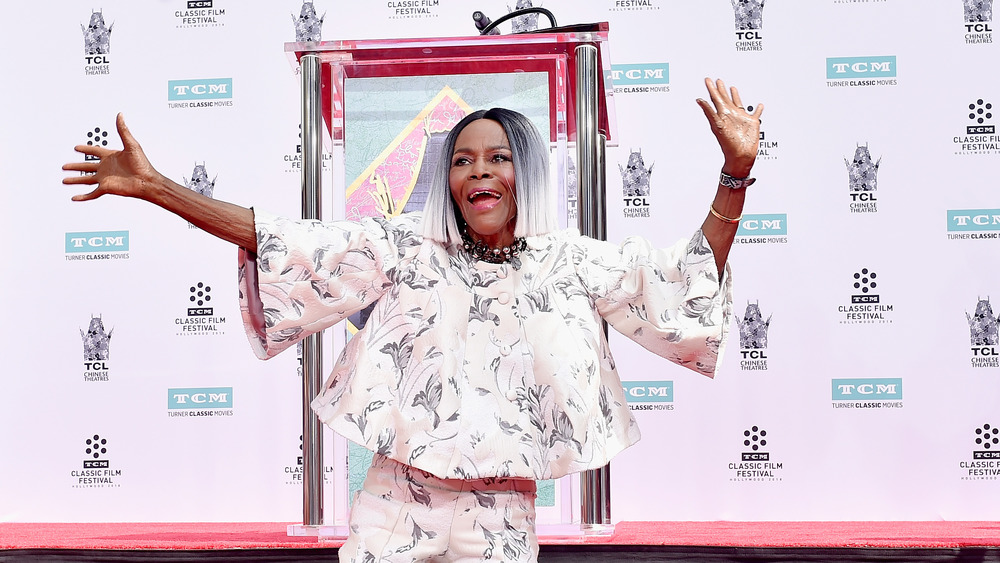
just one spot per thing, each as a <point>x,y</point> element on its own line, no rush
<point>309,275</point>
<point>671,301</point>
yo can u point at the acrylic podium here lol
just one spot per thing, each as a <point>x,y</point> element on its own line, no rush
<point>382,108</point>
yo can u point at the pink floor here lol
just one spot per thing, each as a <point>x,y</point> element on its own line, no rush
<point>748,534</point>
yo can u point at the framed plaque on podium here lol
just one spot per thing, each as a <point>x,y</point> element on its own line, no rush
<point>382,108</point>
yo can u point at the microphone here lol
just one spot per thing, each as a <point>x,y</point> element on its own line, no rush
<point>482,21</point>
<point>487,27</point>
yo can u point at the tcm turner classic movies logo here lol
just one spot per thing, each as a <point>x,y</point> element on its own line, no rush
<point>762,228</point>
<point>974,224</point>
<point>97,245</point>
<point>874,393</point>
<point>200,402</point>
<point>649,395</point>
<point>861,71</point>
<point>641,78</point>
<point>200,93</point>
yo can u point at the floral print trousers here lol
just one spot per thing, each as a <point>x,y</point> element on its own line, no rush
<point>404,515</point>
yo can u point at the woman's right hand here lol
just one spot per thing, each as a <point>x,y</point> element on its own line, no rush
<point>126,172</point>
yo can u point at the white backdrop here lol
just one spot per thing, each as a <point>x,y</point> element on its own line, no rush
<point>863,405</point>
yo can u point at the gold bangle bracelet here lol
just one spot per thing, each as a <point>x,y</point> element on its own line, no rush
<point>723,218</point>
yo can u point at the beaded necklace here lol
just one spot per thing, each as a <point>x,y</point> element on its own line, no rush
<point>482,251</point>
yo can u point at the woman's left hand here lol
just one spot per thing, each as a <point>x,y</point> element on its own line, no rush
<point>737,130</point>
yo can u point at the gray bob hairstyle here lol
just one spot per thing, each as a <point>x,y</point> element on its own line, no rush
<point>534,197</point>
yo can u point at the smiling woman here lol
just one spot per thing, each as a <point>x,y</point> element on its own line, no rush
<point>478,371</point>
<point>483,184</point>
<point>508,148</point>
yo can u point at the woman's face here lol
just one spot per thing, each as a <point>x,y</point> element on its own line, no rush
<point>482,182</point>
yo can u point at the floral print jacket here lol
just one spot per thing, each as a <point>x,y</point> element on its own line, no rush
<point>472,370</point>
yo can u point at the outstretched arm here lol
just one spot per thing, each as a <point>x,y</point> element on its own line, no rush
<point>738,132</point>
<point>128,173</point>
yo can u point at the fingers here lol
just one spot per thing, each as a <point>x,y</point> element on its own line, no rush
<point>720,86</point>
<point>707,108</point>
<point>736,99</point>
<point>86,169</point>
<point>128,141</point>
<point>735,95</point>
<point>93,150</point>
<point>87,196</point>
<point>85,166</point>
<point>714,93</point>
<point>727,100</point>
<point>85,179</point>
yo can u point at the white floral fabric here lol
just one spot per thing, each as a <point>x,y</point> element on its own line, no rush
<point>470,370</point>
<point>404,515</point>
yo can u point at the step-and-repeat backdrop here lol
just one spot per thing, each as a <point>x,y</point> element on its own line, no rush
<point>861,379</point>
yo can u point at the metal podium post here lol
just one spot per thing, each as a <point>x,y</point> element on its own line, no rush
<point>595,484</point>
<point>312,351</point>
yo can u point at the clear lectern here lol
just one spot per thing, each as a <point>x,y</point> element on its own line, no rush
<point>382,108</point>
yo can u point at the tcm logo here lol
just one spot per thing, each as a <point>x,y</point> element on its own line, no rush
<point>97,241</point>
<point>649,391</point>
<point>974,219</point>
<point>203,89</point>
<point>200,398</point>
<point>763,224</point>
<point>635,74</point>
<point>890,388</point>
<point>860,67</point>
<point>192,4</point>
<point>96,447</point>
<point>980,112</point>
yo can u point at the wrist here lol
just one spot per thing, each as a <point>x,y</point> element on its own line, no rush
<point>737,170</point>
<point>735,182</point>
<point>153,188</point>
